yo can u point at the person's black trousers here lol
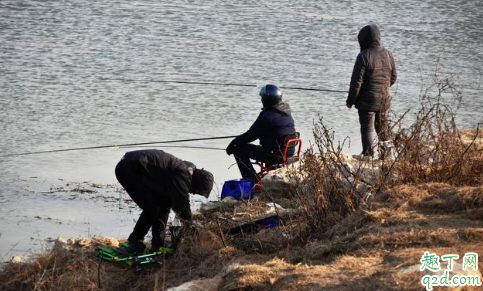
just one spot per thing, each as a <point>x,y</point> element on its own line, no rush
<point>243,155</point>
<point>155,208</point>
<point>370,121</point>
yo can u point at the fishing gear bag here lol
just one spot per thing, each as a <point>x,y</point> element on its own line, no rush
<point>240,189</point>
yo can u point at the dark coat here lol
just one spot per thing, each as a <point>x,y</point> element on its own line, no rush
<point>165,175</point>
<point>271,126</point>
<point>373,74</point>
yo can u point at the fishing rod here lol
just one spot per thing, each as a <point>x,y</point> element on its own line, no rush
<point>181,147</point>
<point>235,84</point>
<point>121,145</point>
<point>216,84</point>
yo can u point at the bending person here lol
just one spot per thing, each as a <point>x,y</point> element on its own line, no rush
<point>158,182</point>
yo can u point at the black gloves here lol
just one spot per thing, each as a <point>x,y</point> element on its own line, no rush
<point>349,105</point>
<point>229,149</point>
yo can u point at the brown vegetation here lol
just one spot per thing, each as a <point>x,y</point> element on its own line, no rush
<point>427,197</point>
<point>370,249</point>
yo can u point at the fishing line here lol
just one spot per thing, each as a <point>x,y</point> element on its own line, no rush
<point>239,85</point>
<point>217,84</point>
<point>180,146</point>
<point>121,145</point>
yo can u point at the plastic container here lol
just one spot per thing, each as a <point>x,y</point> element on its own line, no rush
<point>240,189</point>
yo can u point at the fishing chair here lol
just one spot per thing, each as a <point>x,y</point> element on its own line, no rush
<point>291,141</point>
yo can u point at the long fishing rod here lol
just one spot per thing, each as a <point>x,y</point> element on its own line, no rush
<point>233,84</point>
<point>121,145</point>
<point>180,146</point>
<point>217,84</point>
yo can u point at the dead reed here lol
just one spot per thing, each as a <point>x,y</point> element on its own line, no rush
<point>428,149</point>
<point>354,240</point>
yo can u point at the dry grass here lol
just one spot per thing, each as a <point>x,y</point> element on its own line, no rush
<point>370,249</point>
<point>429,197</point>
<point>432,148</point>
<point>53,271</point>
<point>81,269</point>
<point>277,274</point>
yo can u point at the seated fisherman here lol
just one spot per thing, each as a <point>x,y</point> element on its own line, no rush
<point>271,127</point>
<point>158,182</point>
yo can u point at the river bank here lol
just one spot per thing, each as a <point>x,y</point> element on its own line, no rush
<point>378,245</point>
<point>375,249</point>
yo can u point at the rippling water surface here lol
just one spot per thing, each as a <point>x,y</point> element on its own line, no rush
<point>68,71</point>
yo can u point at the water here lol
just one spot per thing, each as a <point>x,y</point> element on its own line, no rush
<point>56,55</point>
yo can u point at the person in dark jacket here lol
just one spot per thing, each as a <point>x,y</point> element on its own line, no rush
<point>373,74</point>
<point>158,182</point>
<point>272,125</point>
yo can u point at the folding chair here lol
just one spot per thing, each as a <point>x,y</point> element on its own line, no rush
<point>291,141</point>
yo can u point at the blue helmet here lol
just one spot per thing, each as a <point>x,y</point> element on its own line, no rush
<point>271,95</point>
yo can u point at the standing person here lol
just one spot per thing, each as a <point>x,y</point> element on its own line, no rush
<point>273,124</point>
<point>158,182</point>
<point>373,74</point>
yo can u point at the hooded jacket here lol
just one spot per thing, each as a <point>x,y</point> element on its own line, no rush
<point>167,175</point>
<point>373,74</point>
<point>271,126</point>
